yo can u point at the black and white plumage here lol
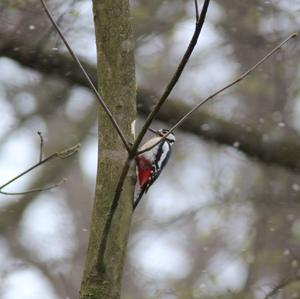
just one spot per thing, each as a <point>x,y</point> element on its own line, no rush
<point>151,163</point>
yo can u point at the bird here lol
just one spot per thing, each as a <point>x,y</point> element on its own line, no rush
<point>150,163</point>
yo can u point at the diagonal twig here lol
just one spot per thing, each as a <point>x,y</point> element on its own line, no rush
<point>88,78</point>
<point>35,190</point>
<point>176,76</point>
<point>240,78</point>
<point>284,283</point>
<point>58,155</point>
<point>41,145</point>
<point>196,10</point>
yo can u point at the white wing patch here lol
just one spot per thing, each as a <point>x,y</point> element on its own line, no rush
<point>133,129</point>
<point>164,154</point>
<point>149,154</point>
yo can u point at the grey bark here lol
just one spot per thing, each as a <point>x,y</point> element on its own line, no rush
<point>116,74</point>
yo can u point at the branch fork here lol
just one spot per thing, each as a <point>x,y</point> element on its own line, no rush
<point>58,155</point>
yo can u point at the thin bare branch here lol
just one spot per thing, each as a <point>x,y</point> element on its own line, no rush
<point>175,78</point>
<point>282,285</point>
<point>41,145</point>
<point>240,78</point>
<point>28,170</point>
<point>196,10</point>
<point>68,152</point>
<point>35,190</point>
<point>60,155</point>
<point>87,77</point>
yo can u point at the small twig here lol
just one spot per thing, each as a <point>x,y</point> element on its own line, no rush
<point>41,145</point>
<point>60,155</point>
<point>29,169</point>
<point>196,10</point>
<point>281,286</point>
<point>68,152</point>
<point>35,190</point>
<point>240,78</point>
<point>87,77</point>
<point>175,78</point>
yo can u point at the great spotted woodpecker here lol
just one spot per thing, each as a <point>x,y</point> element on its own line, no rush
<point>150,163</point>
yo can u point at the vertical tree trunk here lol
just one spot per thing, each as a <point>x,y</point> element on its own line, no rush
<point>116,73</point>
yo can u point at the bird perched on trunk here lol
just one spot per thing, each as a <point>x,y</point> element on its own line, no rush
<point>150,163</point>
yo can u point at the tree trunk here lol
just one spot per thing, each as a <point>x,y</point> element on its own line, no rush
<point>116,75</point>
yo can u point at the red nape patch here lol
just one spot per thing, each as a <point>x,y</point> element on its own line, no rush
<point>144,170</point>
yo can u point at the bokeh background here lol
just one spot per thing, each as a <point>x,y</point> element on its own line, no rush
<point>221,222</point>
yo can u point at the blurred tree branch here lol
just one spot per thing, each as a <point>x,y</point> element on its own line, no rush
<point>283,284</point>
<point>232,83</point>
<point>279,146</point>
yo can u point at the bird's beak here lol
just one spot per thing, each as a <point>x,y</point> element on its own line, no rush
<point>153,131</point>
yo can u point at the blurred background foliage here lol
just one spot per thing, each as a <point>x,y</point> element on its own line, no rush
<point>223,221</point>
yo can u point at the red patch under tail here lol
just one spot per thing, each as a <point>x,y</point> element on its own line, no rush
<point>144,170</point>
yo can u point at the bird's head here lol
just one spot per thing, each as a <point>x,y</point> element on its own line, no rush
<point>162,132</point>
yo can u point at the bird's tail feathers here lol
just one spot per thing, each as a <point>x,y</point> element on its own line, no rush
<point>138,194</point>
